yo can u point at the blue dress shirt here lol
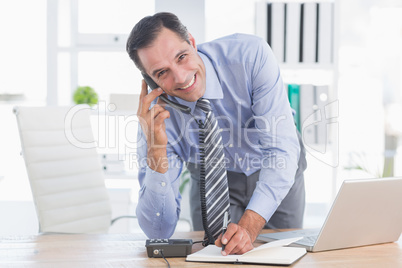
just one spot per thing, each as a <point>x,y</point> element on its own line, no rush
<point>245,88</point>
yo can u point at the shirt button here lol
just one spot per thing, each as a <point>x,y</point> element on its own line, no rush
<point>230,145</point>
<point>240,159</point>
<point>158,214</point>
<point>163,184</point>
<point>248,169</point>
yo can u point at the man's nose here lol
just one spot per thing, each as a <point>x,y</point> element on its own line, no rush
<point>180,76</point>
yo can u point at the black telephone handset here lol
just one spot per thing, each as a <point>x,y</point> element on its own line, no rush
<point>182,108</point>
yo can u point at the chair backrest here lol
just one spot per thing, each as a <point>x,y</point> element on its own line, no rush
<point>67,181</point>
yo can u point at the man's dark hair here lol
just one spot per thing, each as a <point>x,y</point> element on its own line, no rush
<point>147,30</point>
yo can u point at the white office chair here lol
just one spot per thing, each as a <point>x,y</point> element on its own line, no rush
<point>67,181</point>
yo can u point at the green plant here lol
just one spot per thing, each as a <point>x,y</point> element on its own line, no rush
<point>184,180</point>
<point>85,95</point>
<point>374,165</point>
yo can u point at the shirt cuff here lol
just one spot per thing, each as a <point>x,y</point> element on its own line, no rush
<point>262,205</point>
<point>157,182</point>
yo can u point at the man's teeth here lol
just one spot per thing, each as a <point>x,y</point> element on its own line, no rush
<point>189,84</point>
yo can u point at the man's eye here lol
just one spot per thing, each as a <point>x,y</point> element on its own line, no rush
<point>181,57</point>
<point>161,73</point>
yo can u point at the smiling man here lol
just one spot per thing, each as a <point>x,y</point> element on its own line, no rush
<point>239,76</point>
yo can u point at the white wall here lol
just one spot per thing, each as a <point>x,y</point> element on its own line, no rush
<point>190,12</point>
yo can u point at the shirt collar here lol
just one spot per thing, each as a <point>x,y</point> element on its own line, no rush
<point>213,87</point>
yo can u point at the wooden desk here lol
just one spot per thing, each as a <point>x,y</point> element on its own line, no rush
<point>128,250</point>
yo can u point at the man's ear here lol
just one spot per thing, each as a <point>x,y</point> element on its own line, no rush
<point>192,41</point>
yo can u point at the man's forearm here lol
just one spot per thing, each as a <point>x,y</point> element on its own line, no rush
<point>157,159</point>
<point>253,223</point>
<point>157,208</point>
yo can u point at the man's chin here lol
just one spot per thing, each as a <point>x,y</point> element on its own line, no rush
<point>190,97</point>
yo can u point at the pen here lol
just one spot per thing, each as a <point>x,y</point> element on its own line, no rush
<point>225,226</point>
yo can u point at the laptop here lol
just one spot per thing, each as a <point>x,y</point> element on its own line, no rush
<point>365,212</point>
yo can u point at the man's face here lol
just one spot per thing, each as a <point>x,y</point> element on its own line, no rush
<point>175,66</point>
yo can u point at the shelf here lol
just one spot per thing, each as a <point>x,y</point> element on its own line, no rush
<point>305,75</point>
<point>307,66</point>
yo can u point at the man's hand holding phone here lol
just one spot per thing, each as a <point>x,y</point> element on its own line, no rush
<point>153,124</point>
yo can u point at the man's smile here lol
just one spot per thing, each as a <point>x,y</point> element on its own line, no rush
<point>189,84</point>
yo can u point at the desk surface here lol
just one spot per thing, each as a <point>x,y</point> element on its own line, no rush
<point>128,250</point>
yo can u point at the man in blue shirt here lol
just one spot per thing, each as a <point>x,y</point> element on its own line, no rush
<point>240,77</point>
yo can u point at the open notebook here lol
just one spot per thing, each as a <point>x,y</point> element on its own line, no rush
<point>270,253</point>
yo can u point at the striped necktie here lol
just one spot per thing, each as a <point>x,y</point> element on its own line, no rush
<point>213,179</point>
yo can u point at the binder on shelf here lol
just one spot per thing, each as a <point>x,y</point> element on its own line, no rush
<point>298,32</point>
<point>292,33</point>
<point>294,100</point>
<point>325,32</point>
<point>261,19</point>
<point>321,100</point>
<point>276,29</point>
<point>313,100</point>
<point>307,114</point>
<point>309,33</point>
